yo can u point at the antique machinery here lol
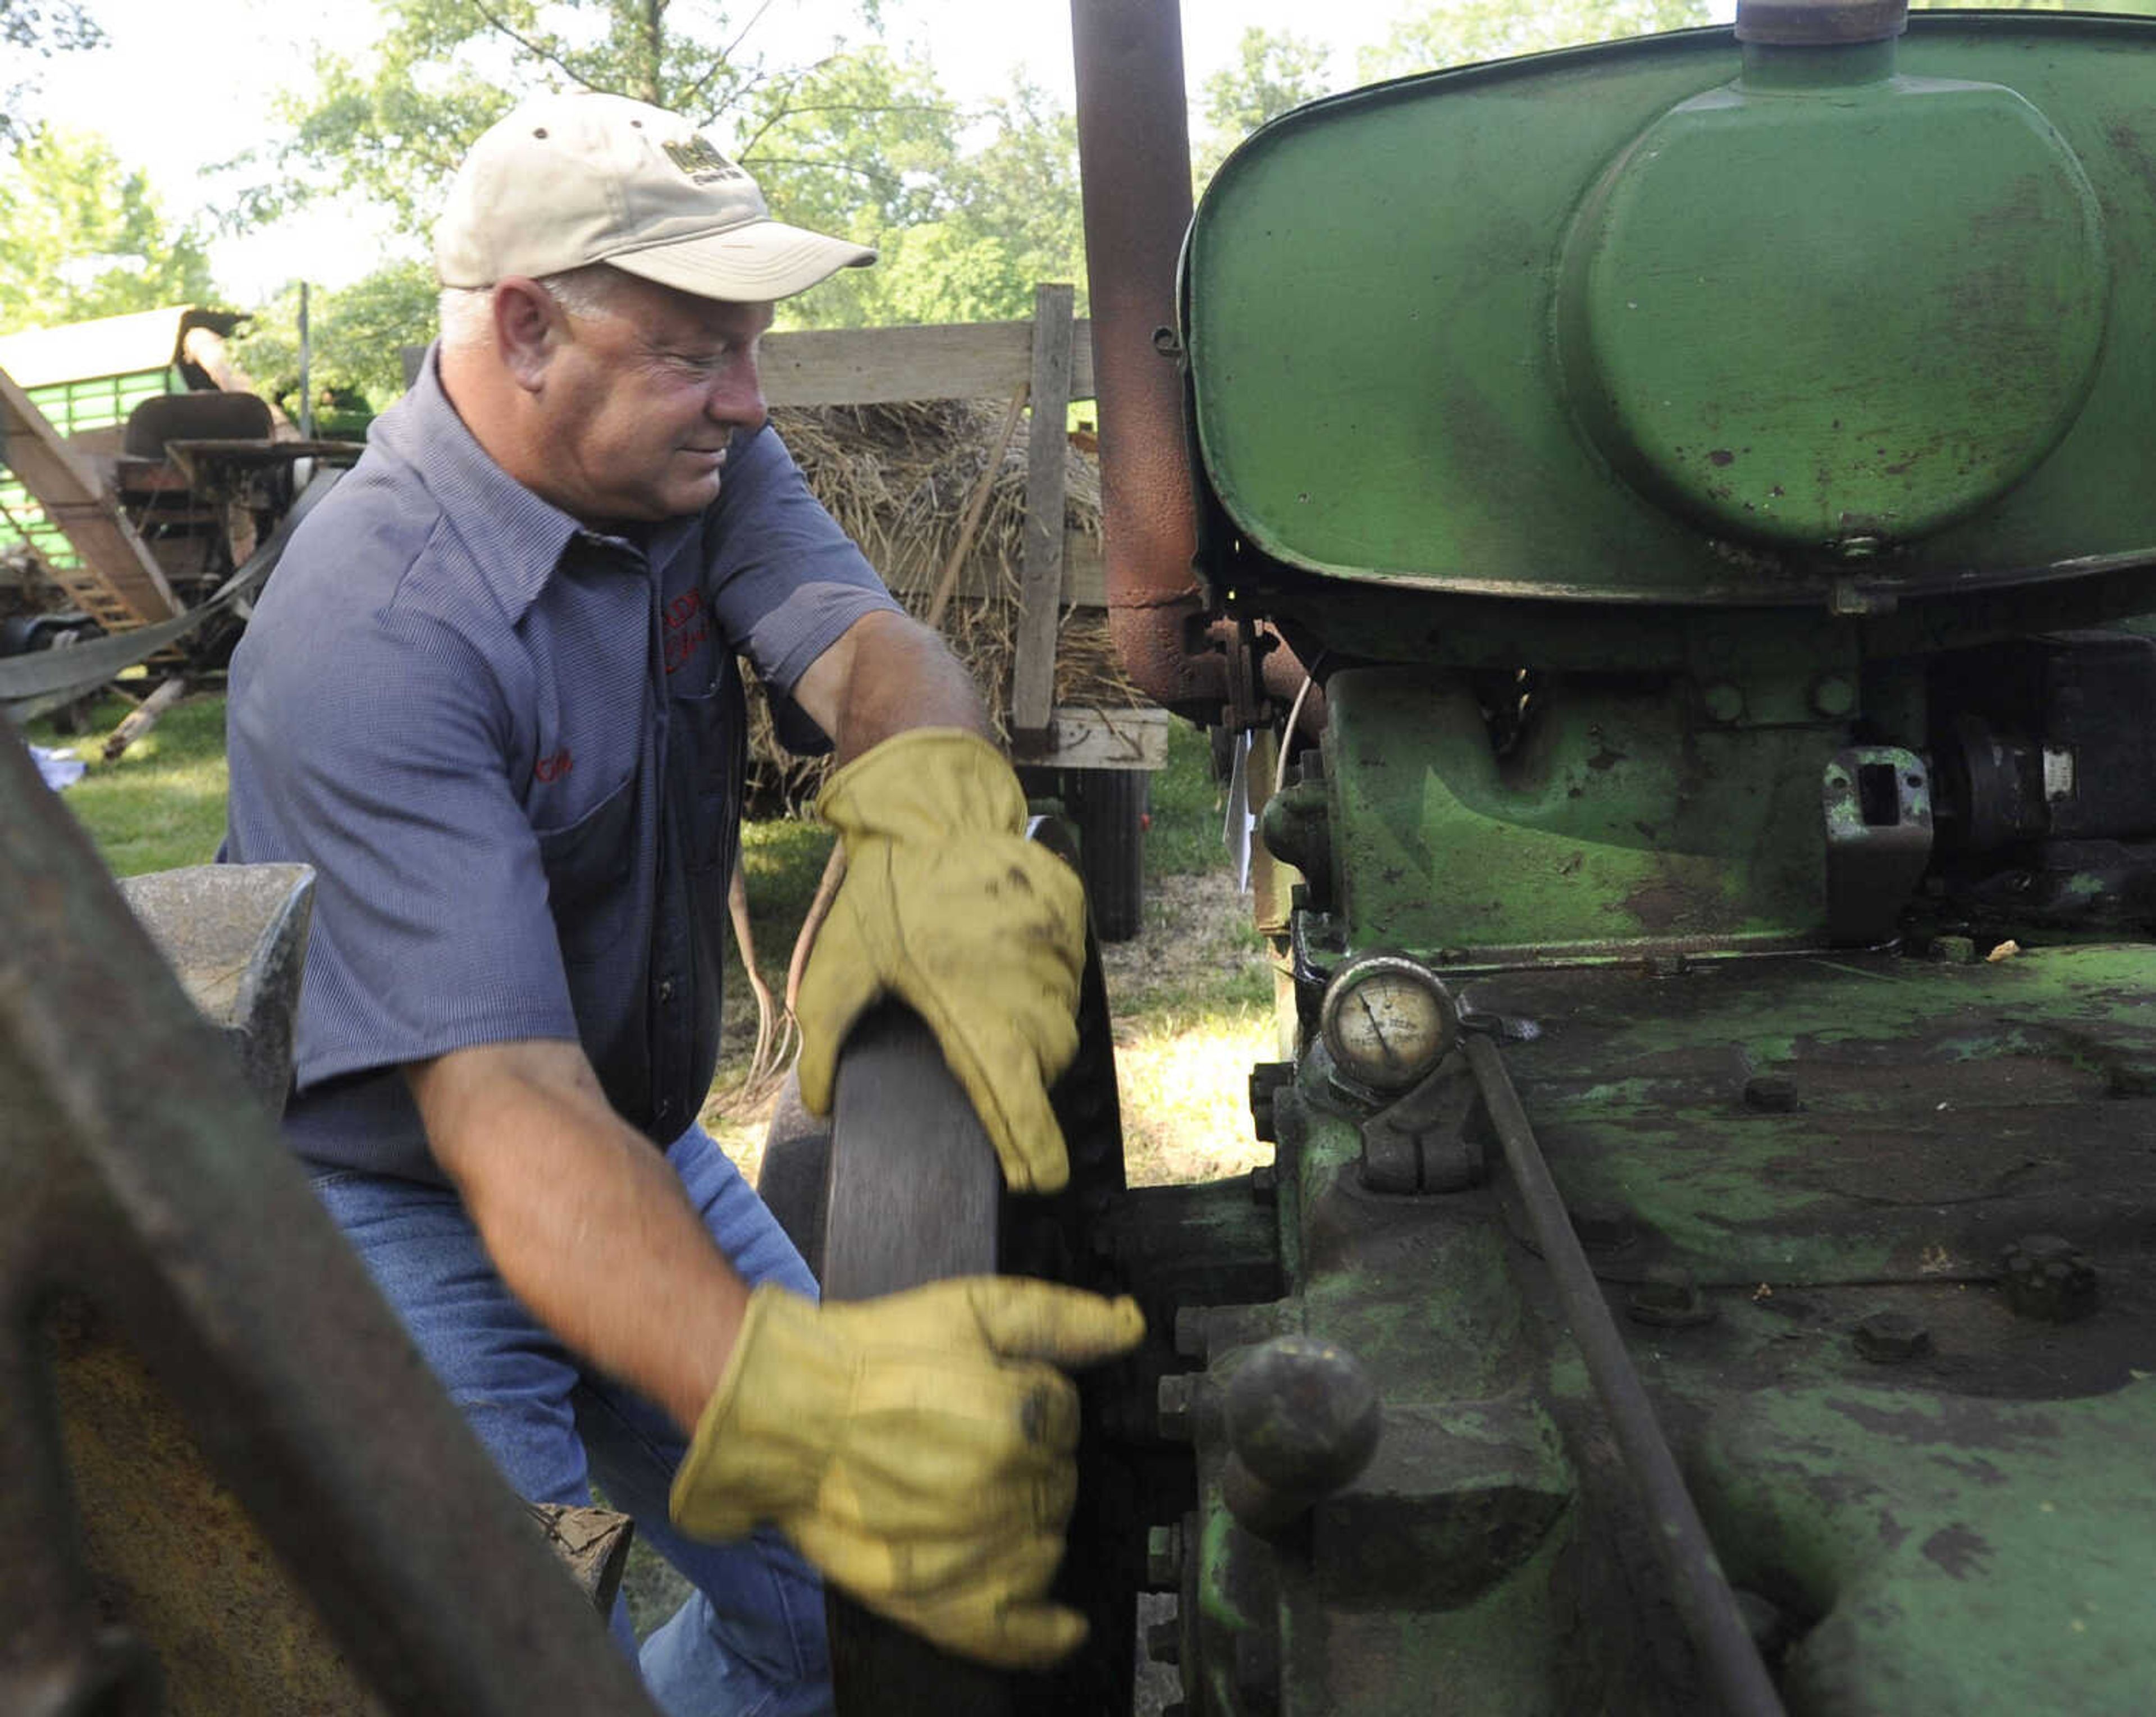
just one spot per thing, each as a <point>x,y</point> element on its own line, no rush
<point>1711,1263</point>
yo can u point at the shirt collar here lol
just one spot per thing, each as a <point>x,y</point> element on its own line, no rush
<point>520,538</point>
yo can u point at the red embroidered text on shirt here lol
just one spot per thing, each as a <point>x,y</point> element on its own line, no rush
<point>554,768</point>
<point>687,627</point>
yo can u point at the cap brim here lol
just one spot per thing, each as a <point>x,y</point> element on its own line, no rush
<point>746,264</point>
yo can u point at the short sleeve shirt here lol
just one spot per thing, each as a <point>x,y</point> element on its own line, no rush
<point>513,748</point>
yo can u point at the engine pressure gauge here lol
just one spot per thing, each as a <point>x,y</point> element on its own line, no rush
<point>1387,1021</point>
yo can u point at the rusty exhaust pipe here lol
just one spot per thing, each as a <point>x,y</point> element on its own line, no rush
<point>1134,169</point>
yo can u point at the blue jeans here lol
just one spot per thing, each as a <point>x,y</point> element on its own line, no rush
<point>749,1641</point>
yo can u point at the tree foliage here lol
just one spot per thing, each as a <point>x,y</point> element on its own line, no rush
<point>36,29</point>
<point>1469,31</point>
<point>858,141</point>
<point>845,132</point>
<point>82,236</point>
<point>1271,73</point>
<point>356,340</point>
<point>997,220</point>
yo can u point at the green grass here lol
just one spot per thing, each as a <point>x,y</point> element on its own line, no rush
<point>1189,807</point>
<point>160,805</point>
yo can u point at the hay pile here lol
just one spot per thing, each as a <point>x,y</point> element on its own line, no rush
<point>898,479</point>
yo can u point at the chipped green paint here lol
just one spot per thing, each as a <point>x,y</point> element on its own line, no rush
<point>1443,448</point>
<point>1952,1556</point>
<point>1620,822</point>
<point>1934,1111</point>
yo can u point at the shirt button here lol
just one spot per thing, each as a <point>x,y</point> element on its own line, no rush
<point>666,989</point>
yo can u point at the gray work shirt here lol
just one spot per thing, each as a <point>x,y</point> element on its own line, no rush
<point>513,748</point>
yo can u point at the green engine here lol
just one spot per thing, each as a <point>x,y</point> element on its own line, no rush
<point>1709,487</point>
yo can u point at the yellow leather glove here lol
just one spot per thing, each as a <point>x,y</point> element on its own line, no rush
<point>948,906</point>
<point>918,1448</point>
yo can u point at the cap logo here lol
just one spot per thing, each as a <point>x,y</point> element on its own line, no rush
<point>702,163</point>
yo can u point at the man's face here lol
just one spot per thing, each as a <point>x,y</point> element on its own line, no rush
<point>641,400</point>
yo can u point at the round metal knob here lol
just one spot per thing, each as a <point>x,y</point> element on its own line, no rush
<point>1302,1420</point>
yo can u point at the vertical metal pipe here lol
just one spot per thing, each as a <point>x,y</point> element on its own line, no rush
<point>1701,1590</point>
<point>1134,165</point>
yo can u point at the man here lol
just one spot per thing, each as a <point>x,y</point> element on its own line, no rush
<point>490,694</point>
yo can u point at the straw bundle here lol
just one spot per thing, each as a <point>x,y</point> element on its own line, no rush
<point>898,479</point>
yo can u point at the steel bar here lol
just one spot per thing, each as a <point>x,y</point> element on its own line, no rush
<point>1701,1590</point>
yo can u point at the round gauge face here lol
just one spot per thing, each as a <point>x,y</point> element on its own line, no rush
<point>1387,1020</point>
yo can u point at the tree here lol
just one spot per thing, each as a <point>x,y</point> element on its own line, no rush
<point>355,339</point>
<point>850,134</point>
<point>82,236</point>
<point>1476,30</point>
<point>40,28</point>
<point>997,221</point>
<point>1272,74</point>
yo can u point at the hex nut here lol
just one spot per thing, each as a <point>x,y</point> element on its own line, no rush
<point>1604,1227</point>
<point>1164,1557</point>
<point>1888,1338</point>
<point>1772,1094</point>
<point>1669,1298</point>
<point>2046,1276</point>
<point>1173,1403</point>
<point>1833,695</point>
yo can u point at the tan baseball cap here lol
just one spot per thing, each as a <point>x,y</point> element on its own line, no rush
<point>565,181</point>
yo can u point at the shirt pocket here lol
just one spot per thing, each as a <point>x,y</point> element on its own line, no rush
<point>708,748</point>
<point>588,865</point>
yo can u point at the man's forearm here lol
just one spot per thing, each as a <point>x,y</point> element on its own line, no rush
<point>584,1220</point>
<point>887,674</point>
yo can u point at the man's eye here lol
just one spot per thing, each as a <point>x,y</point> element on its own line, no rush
<point>709,364</point>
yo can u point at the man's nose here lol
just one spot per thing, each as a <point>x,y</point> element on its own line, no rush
<point>736,398</point>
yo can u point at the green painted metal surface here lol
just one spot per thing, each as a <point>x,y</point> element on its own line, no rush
<point>1963,1557</point>
<point>1373,295</point>
<point>1626,819</point>
<point>1758,372</point>
<point>1939,1110</point>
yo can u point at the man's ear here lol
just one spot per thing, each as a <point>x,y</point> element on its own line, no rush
<point>528,327</point>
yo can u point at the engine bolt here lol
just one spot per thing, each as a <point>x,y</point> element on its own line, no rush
<point>1164,1557</point>
<point>1887,1338</point>
<point>2048,1278</point>
<point>1173,1402</point>
<point>1669,1298</point>
<point>1602,1228</point>
<point>1832,695</point>
<point>1772,1094</point>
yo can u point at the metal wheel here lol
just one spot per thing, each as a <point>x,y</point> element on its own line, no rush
<point>915,1195</point>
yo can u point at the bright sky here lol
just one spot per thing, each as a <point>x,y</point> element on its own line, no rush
<point>184,87</point>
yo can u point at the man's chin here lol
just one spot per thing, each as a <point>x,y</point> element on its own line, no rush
<point>690,497</point>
